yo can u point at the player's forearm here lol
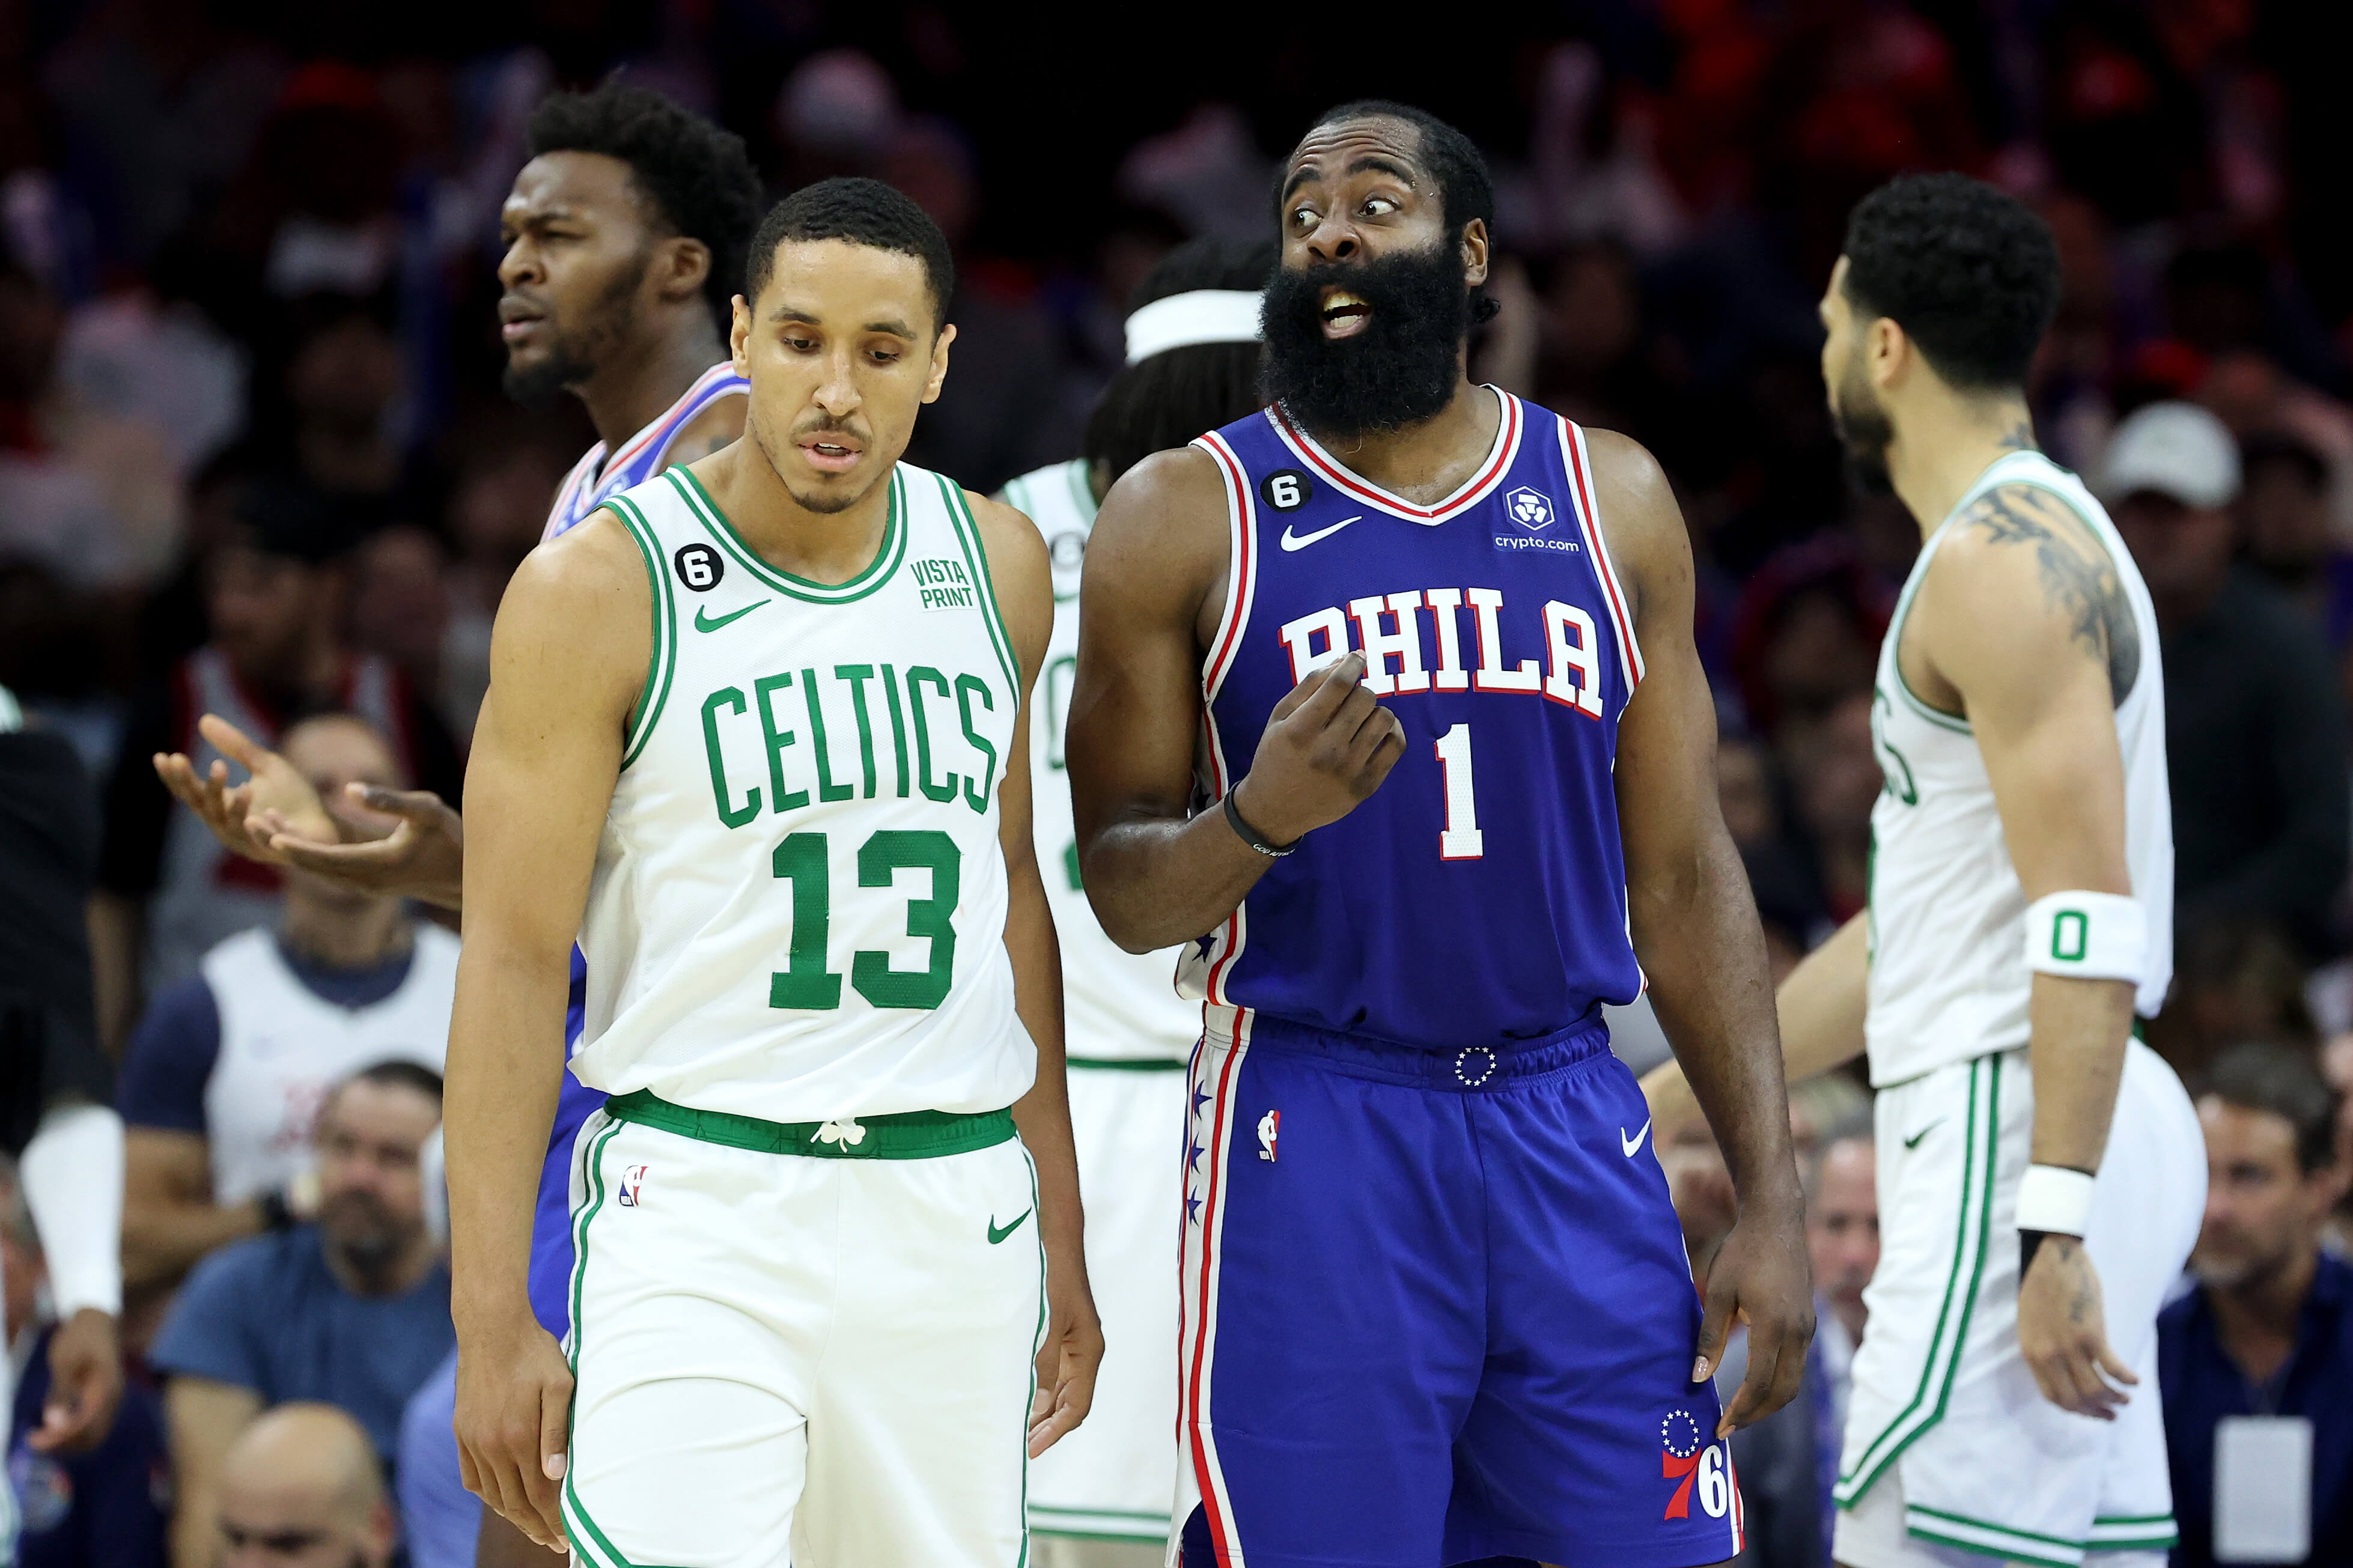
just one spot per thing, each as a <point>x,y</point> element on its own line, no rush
<point>505,1053</point>
<point>1157,881</point>
<point>1820,1007</point>
<point>2077,1051</point>
<point>1699,941</point>
<point>1044,1114</point>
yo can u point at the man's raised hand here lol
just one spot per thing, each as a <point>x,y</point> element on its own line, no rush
<point>234,812</point>
<point>1327,746</point>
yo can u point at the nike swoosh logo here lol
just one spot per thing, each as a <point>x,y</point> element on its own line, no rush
<point>1630,1144</point>
<point>1913,1141</point>
<point>705,622</point>
<point>1302,541</point>
<point>994,1234</point>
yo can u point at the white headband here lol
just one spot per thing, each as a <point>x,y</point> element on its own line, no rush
<point>1201,316</point>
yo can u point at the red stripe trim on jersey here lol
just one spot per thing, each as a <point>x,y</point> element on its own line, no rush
<point>666,427</point>
<point>1507,445</point>
<point>1208,1475</point>
<point>1242,525</point>
<point>1588,520</point>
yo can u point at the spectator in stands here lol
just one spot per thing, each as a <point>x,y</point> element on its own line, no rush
<point>2283,516</point>
<point>228,1069</point>
<point>1788,1460</point>
<point>299,1489</point>
<point>2269,1331</point>
<point>2254,723</point>
<point>84,1506</point>
<point>353,1310</point>
<point>275,598</point>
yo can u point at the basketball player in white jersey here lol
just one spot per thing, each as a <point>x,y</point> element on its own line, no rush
<point>2041,1173</point>
<point>1105,1496</point>
<point>756,733</point>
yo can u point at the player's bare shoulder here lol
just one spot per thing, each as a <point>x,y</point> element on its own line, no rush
<point>1161,542</point>
<point>583,603</point>
<point>1640,518</point>
<point>1020,571</point>
<point>2021,560</point>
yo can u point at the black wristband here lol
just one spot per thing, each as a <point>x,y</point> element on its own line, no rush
<point>275,1214</point>
<point>2029,1243</point>
<point>1252,836</point>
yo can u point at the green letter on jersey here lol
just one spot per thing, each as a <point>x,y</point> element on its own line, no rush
<point>776,740</point>
<point>923,675</point>
<point>804,982</point>
<point>725,697</point>
<point>880,857</point>
<point>975,791</point>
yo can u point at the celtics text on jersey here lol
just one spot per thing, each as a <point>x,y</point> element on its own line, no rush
<point>799,904</point>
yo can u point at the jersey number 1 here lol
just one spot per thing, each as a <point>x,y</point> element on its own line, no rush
<point>1460,839</point>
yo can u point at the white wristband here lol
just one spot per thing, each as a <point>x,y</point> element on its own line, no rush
<point>72,1173</point>
<point>2088,936</point>
<point>2054,1198</point>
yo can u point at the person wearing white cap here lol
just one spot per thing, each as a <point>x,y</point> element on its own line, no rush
<point>1102,1498</point>
<point>2254,723</point>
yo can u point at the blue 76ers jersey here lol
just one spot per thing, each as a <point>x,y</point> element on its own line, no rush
<point>592,482</point>
<point>1478,897</point>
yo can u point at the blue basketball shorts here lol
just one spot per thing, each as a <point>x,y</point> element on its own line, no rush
<point>1436,1309</point>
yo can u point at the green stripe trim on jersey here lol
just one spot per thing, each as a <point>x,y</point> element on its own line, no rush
<point>904,1135</point>
<point>1125,1064</point>
<point>1994,1540</point>
<point>1037,1349</point>
<point>2137,1532</point>
<point>1971,1239</point>
<point>976,558</point>
<point>661,660</point>
<point>587,1538</point>
<point>878,572</point>
<point>1082,493</point>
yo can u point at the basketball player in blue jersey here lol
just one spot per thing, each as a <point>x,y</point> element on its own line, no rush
<point>1356,698</point>
<point>626,237</point>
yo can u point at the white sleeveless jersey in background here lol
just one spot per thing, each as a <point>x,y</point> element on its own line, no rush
<point>284,1046</point>
<point>1118,1006</point>
<point>1948,975</point>
<point>797,910</point>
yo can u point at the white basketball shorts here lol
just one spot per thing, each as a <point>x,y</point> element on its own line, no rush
<point>1952,1453</point>
<point>1115,1477</point>
<point>823,1357</point>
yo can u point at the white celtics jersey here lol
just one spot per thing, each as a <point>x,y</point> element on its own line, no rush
<point>1948,975</point>
<point>798,905</point>
<point>1119,1006</point>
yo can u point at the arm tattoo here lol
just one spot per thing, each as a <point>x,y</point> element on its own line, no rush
<point>2078,577</point>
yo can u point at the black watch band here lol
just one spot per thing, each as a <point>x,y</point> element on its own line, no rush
<point>1252,836</point>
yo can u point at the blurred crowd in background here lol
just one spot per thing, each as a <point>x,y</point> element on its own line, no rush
<point>254,452</point>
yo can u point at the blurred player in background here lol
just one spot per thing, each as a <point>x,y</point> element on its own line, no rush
<point>625,240</point>
<point>2041,1173</point>
<point>1192,366</point>
<point>1435,1304</point>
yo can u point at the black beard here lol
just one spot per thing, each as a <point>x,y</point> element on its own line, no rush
<point>1866,433</point>
<point>1400,370</point>
<point>574,356</point>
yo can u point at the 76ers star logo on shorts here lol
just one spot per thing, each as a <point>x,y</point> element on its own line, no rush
<point>1687,1458</point>
<point>633,1186</point>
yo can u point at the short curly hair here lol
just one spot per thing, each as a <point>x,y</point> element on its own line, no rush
<point>863,212</point>
<point>1970,272</point>
<point>696,178</point>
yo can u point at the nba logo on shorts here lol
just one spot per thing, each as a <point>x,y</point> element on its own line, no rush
<point>633,1181</point>
<point>1531,509</point>
<point>1269,1127</point>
